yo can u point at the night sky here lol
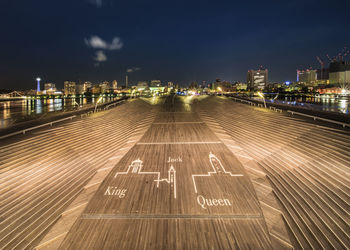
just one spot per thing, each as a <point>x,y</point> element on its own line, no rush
<point>180,41</point>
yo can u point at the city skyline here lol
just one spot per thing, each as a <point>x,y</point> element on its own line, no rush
<point>105,40</point>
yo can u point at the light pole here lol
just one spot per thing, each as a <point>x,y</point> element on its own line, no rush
<point>263,97</point>
<point>99,100</point>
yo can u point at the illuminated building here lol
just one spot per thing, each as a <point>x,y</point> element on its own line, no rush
<point>104,87</point>
<point>80,89</point>
<point>95,89</point>
<point>339,72</point>
<point>141,84</point>
<point>156,83</point>
<point>257,79</point>
<point>114,84</point>
<point>341,77</point>
<point>240,86</point>
<point>69,88</point>
<point>307,77</point>
<point>50,88</point>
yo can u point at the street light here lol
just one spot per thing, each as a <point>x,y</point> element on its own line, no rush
<point>263,97</point>
<point>99,100</point>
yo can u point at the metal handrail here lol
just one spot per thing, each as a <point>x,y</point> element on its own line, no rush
<point>53,122</point>
<point>319,118</point>
<point>36,127</point>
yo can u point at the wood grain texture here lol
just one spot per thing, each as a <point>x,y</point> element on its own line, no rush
<point>150,217</point>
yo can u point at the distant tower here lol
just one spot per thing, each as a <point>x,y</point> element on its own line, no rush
<point>38,85</point>
<point>126,81</point>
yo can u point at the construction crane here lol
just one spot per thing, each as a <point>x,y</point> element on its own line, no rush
<point>322,66</point>
<point>346,53</point>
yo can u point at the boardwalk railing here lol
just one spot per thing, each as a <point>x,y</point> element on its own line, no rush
<point>256,104</point>
<point>244,101</point>
<point>294,112</point>
<point>23,131</point>
<point>36,127</point>
<point>319,118</point>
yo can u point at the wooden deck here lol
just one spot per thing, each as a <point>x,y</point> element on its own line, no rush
<point>43,172</point>
<point>177,199</point>
<point>192,173</point>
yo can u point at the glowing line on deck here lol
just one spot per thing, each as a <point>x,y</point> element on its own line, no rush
<point>218,169</point>
<point>136,166</point>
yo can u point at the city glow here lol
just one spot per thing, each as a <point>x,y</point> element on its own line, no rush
<point>260,94</point>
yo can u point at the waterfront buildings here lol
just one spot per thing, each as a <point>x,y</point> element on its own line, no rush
<point>240,86</point>
<point>104,87</point>
<point>69,88</point>
<point>114,84</point>
<point>342,77</point>
<point>339,72</point>
<point>49,88</point>
<point>307,77</point>
<point>156,83</point>
<point>257,79</point>
<point>80,89</point>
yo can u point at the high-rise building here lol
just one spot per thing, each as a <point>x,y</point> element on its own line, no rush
<point>114,84</point>
<point>307,77</point>
<point>339,66</point>
<point>80,89</point>
<point>87,85</point>
<point>339,72</point>
<point>69,88</point>
<point>257,79</point>
<point>104,87</point>
<point>342,77</point>
<point>322,74</point>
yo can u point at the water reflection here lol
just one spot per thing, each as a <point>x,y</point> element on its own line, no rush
<point>19,110</point>
<point>324,103</point>
<point>344,106</point>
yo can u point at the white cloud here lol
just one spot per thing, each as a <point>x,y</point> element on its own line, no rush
<point>133,69</point>
<point>98,43</point>
<point>116,44</point>
<point>100,56</point>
